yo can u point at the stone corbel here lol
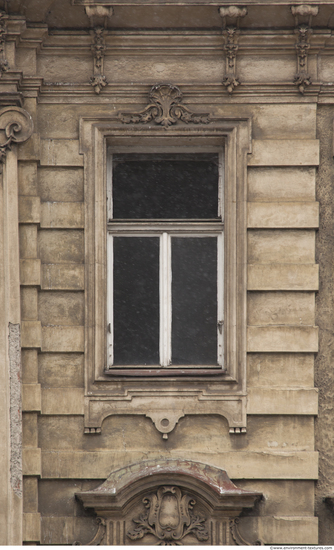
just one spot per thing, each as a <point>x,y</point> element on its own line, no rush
<point>16,126</point>
<point>303,19</point>
<point>231,33</point>
<point>98,18</point>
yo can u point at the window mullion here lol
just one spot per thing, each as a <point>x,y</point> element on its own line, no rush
<point>165,299</point>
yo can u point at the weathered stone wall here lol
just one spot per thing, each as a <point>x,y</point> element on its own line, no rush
<point>324,318</point>
<point>277,455</point>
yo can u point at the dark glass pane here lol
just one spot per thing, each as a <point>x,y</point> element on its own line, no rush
<point>165,186</point>
<point>136,300</point>
<point>194,301</point>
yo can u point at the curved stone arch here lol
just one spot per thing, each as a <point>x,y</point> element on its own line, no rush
<point>166,501</point>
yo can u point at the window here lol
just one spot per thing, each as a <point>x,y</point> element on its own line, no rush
<point>165,262</point>
<point>154,214</point>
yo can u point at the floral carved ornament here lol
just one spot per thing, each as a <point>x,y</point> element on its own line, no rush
<point>169,518</point>
<point>165,108</point>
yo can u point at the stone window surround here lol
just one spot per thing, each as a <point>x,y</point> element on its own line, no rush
<point>165,399</point>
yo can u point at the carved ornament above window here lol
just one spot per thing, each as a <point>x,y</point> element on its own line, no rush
<point>168,502</point>
<point>165,108</point>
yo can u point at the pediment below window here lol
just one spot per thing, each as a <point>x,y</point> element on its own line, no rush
<point>168,502</point>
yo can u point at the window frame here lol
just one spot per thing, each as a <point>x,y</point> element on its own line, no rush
<point>165,230</point>
<point>148,395</point>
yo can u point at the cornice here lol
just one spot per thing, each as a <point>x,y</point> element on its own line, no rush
<point>185,43</point>
<point>33,37</point>
<point>194,2</point>
<point>196,93</point>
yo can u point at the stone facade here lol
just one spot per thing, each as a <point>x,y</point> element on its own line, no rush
<point>78,78</point>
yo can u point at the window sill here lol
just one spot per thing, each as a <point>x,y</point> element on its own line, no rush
<point>164,372</point>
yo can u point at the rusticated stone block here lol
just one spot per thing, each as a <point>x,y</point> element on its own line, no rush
<point>272,246</point>
<point>241,465</point>
<point>63,277</point>
<point>31,527</point>
<point>63,339</point>
<point>31,397</point>
<point>283,277</point>
<point>62,215</point>
<point>31,462</point>
<point>29,429</point>
<point>29,309</point>
<point>280,369</point>
<point>29,209</point>
<point>277,338</point>
<point>61,308</point>
<point>63,401</point>
<point>284,497</point>
<point>278,401</point>
<point>30,494</point>
<point>290,530</point>
<point>276,432</point>
<point>29,366</point>
<point>58,184</point>
<point>27,173</point>
<point>30,272</point>
<point>281,184</point>
<point>28,241</point>
<point>283,214</point>
<point>61,246</point>
<point>281,308</point>
<point>31,335</point>
<point>284,152</point>
<point>60,152</point>
<point>61,370</point>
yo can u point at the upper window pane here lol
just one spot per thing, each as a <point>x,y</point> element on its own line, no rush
<point>169,186</point>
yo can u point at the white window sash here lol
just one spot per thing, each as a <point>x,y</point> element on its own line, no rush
<point>165,287</point>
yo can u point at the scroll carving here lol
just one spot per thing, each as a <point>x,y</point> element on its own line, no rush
<point>302,78</point>
<point>16,126</point>
<point>99,535</point>
<point>231,34</point>
<point>236,536</point>
<point>3,62</point>
<point>169,517</point>
<point>165,108</point>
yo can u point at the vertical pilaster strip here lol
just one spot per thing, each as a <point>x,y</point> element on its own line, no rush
<point>13,320</point>
<point>17,127</point>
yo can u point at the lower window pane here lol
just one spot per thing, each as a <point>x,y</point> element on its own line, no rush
<point>194,301</point>
<point>136,300</point>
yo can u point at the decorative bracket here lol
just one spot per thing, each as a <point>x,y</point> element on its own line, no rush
<point>236,536</point>
<point>303,30</point>
<point>165,421</point>
<point>3,62</point>
<point>98,15</point>
<point>16,126</point>
<point>231,47</point>
<point>99,535</point>
<point>165,108</point>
